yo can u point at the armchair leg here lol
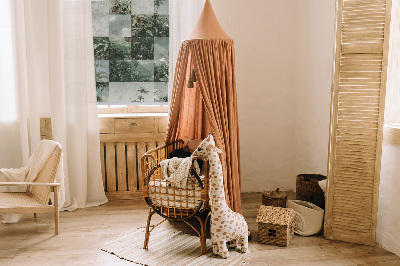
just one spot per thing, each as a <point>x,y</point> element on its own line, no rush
<point>147,235</point>
<point>56,212</point>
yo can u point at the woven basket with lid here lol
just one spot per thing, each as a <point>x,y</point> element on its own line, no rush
<point>274,198</point>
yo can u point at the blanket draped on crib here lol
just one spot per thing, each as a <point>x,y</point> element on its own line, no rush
<point>176,170</point>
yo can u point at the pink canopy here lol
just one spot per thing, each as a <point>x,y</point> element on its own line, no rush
<point>211,105</point>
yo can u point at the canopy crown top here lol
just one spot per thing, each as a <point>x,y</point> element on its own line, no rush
<point>207,26</point>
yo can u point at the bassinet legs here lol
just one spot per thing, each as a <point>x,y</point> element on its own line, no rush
<point>147,235</point>
<point>202,233</point>
<point>148,230</point>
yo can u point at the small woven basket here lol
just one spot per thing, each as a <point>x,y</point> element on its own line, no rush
<point>275,225</point>
<point>308,189</point>
<point>274,198</point>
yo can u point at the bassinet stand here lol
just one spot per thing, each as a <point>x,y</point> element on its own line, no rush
<point>151,172</point>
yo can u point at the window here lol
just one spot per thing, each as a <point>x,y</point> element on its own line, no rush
<point>392,108</point>
<point>131,51</point>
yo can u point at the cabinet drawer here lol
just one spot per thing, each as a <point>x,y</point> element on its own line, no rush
<point>134,125</point>
<point>106,125</point>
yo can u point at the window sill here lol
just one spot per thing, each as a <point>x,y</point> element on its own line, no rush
<point>132,110</point>
<point>133,115</point>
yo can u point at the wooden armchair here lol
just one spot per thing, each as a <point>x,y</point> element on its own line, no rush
<point>36,197</point>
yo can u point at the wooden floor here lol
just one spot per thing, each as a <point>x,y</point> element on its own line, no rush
<point>82,233</point>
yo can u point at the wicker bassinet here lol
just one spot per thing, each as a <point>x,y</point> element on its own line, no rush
<point>170,202</point>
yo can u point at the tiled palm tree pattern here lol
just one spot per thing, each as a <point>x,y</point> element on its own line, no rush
<point>131,50</point>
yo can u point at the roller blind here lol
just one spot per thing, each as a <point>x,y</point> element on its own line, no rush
<point>358,97</point>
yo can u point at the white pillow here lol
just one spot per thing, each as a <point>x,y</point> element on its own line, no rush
<point>322,184</point>
<point>309,217</point>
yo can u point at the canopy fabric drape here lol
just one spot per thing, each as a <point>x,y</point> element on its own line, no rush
<point>211,106</point>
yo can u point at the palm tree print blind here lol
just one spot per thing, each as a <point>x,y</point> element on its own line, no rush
<point>131,51</point>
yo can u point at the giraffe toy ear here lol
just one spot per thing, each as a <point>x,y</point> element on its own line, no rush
<point>210,136</point>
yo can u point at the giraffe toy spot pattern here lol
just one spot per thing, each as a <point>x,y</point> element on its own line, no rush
<point>226,225</point>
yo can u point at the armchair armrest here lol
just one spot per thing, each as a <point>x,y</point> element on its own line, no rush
<point>29,184</point>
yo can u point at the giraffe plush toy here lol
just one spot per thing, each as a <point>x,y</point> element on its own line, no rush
<point>226,225</point>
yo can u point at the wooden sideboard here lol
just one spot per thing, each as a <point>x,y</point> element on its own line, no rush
<point>123,141</point>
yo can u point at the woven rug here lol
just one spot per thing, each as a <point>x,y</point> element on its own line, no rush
<point>167,247</point>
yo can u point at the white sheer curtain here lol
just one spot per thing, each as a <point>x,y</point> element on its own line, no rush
<point>183,15</point>
<point>55,77</point>
<point>10,147</point>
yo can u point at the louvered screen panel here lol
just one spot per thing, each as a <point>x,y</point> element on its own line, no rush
<point>356,119</point>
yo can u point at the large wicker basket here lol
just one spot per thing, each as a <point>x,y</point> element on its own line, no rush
<point>308,189</point>
<point>274,198</point>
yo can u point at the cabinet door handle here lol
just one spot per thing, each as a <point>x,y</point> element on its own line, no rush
<point>133,124</point>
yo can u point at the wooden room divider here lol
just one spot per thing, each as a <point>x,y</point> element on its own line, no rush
<point>357,108</point>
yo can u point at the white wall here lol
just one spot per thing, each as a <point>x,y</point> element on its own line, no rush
<point>388,227</point>
<point>284,52</point>
<point>314,60</point>
<point>284,56</point>
<point>264,33</point>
